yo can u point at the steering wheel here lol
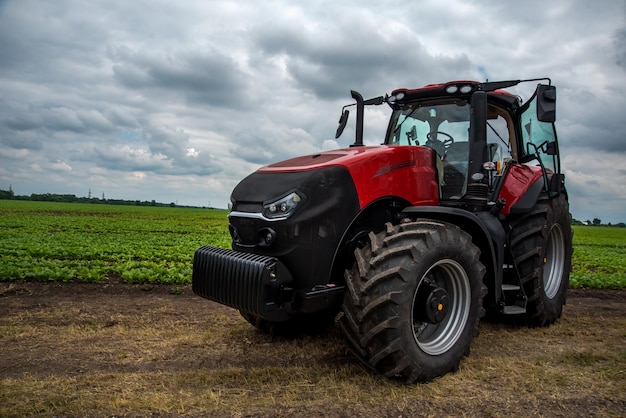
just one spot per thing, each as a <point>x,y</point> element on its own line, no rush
<point>447,141</point>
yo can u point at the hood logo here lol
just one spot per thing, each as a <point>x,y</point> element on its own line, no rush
<point>389,168</point>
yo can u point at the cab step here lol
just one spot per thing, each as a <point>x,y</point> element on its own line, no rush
<point>513,310</point>
<point>514,299</point>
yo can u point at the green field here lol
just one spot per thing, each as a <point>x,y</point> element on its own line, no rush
<point>92,243</point>
<point>47,241</point>
<point>599,259</point>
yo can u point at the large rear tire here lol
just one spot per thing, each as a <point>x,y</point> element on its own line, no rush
<point>414,299</point>
<point>541,243</point>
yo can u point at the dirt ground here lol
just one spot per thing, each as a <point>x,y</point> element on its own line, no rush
<point>169,309</point>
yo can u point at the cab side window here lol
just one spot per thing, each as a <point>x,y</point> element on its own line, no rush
<point>538,137</point>
<point>498,143</point>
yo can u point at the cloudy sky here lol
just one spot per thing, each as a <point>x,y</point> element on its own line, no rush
<point>177,101</point>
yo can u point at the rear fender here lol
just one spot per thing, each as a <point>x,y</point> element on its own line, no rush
<point>521,188</point>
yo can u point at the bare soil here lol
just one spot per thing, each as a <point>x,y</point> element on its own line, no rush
<point>71,349</point>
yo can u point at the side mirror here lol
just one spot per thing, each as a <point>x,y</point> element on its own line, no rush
<point>412,136</point>
<point>546,103</point>
<point>343,120</point>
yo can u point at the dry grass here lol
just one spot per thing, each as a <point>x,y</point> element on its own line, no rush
<point>168,355</point>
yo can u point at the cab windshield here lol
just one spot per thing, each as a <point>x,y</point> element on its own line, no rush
<point>434,125</point>
<point>444,127</point>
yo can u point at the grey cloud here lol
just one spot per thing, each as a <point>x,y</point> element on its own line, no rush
<point>19,140</point>
<point>49,44</point>
<point>167,142</point>
<point>263,142</point>
<point>62,119</point>
<point>48,120</point>
<point>255,154</point>
<point>619,41</point>
<point>205,77</point>
<point>591,117</point>
<point>351,55</point>
<point>578,138</point>
<point>158,150</point>
<point>197,94</point>
<point>120,118</point>
<point>129,158</point>
<point>18,119</point>
<point>15,126</point>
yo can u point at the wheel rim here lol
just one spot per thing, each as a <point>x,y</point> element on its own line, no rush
<point>553,261</point>
<point>437,338</point>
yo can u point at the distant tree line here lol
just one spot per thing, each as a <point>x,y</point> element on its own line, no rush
<point>70,198</point>
<point>597,222</point>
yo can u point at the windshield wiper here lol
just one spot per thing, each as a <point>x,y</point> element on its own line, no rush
<point>498,135</point>
<point>405,118</point>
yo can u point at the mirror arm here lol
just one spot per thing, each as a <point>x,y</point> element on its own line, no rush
<point>360,106</point>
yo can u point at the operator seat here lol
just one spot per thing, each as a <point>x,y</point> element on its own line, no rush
<point>455,163</point>
<point>457,152</point>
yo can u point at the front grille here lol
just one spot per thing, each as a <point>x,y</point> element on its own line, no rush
<point>247,282</point>
<point>247,230</point>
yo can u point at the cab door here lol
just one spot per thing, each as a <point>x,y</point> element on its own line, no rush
<point>539,145</point>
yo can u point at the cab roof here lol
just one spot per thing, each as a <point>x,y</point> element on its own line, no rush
<point>460,88</point>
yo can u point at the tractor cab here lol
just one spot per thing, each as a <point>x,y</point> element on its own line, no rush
<point>445,126</point>
<point>476,130</point>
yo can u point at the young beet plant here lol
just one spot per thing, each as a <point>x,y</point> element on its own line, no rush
<point>90,243</point>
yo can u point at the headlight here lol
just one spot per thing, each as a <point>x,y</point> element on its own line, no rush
<point>462,88</point>
<point>283,207</point>
<point>466,89</point>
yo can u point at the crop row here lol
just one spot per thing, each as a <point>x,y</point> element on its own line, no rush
<point>599,259</point>
<point>94,243</point>
<point>64,242</point>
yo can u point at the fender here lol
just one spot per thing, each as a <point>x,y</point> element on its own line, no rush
<point>528,199</point>
<point>487,233</point>
<point>377,213</point>
<point>521,187</point>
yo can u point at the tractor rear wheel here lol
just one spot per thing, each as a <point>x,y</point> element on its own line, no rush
<point>541,243</point>
<point>414,299</point>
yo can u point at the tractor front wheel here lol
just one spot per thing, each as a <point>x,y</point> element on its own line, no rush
<point>414,299</point>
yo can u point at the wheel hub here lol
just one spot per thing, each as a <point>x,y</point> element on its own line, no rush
<point>435,303</point>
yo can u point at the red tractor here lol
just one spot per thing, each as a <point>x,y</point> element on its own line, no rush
<point>462,211</point>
